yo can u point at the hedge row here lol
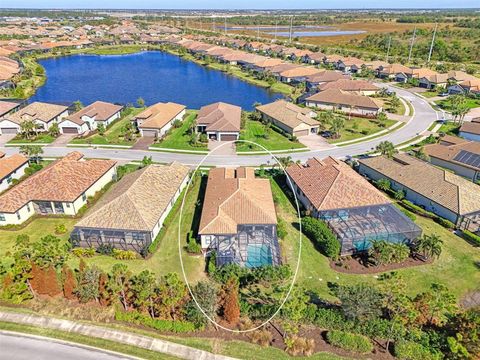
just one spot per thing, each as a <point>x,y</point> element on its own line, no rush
<point>349,341</point>
<point>421,211</point>
<point>317,231</point>
<point>135,317</point>
<point>471,237</point>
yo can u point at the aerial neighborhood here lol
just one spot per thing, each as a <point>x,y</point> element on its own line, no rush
<point>214,181</point>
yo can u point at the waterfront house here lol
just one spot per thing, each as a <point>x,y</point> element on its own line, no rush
<point>325,76</point>
<point>89,117</point>
<point>338,100</point>
<point>471,130</point>
<point>238,221</point>
<point>131,214</point>
<point>456,154</point>
<point>220,121</point>
<point>291,118</point>
<point>157,119</point>
<point>7,107</point>
<point>297,74</point>
<point>43,114</point>
<point>354,209</point>
<point>61,188</point>
<point>11,168</point>
<point>361,87</point>
<point>437,190</point>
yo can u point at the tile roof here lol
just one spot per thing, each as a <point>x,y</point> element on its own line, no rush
<point>299,71</point>
<point>288,113</point>
<point>460,75</point>
<point>138,200</point>
<point>471,84</point>
<point>448,152</point>
<point>40,111</point>
<point>446,189</point>
<point>326,76</point>
<point>393,69</point>
<point>233,197</point>
<point>220,116</point>
<point>10,164</point>
<point>336,96</point>
<point>63,180</point>
<point>331,184</point>
<point>349,85</point>
<point>437,78</point>
<point>472,127</point>
<point>99,109</point>
<point>7,106</point>
<point>159,115</point>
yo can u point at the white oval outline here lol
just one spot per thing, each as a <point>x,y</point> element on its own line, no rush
<point>299,248</point>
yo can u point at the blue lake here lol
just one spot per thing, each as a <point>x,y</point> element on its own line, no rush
<point>153,75</point>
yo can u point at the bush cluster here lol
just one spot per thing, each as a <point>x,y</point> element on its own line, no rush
<point>349,341</point>
<point>124,254</point>
<point>409,350</point>
<point>422,212</point>
<point>474,239</point>
<point>83,252</point>
<point>317,231</point>
<point>135,317</point>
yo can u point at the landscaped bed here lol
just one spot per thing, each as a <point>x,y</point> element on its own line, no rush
<point>356,128</point>
<point>39,139</point>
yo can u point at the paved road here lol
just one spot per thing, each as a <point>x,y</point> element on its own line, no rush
<point>19,347</point>
<point>423,117</point>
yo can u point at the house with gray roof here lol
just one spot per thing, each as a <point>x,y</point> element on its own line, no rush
<point>131,214</point>
<point>437,190</point>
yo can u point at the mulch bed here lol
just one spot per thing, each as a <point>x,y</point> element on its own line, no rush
<point>359,265</point>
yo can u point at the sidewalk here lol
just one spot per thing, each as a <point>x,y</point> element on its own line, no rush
<point>119,336</point>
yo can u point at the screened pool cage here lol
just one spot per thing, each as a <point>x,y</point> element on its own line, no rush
<point>119,239</point>
<point>252,246</point>
<point>356,228</point>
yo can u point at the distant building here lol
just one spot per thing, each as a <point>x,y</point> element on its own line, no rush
<point>220,121</point>
<point>335,99</point>
<point>157,119</point>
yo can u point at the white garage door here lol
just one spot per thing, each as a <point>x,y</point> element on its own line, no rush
<point>70,130</point>
<point>149,133</point>
<point>8,130</point>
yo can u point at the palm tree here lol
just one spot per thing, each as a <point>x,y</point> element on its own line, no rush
<point>382,118</point>
<point>336,125</point>
<point>32,152</point>
<point>383,184</point>
<point>28,129</point>
<point>386,148</point>
<point>429,246</point>
<point>285,161</point>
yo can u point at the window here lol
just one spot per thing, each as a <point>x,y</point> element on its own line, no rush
<point>208,239</point>
<point>9,180</point>
<point>67,205</point>
<point>84,197</point>
<point>2,217</point>
<point>18,215</point>
<point>28,207</point>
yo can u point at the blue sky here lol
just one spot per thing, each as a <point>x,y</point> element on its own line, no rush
<point>237,4</point>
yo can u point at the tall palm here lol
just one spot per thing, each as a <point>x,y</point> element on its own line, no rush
<point>386,148</point>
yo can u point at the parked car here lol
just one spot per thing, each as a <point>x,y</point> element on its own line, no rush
<point>326,134</point>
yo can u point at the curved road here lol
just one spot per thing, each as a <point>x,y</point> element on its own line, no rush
<point>421,120</point>
<point>25,347</point>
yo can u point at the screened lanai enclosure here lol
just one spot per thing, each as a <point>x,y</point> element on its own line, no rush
<point>356,228</point>
<point>119,239</point>
<point>252,246</point>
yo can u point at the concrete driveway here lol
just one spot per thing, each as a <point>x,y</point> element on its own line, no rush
<point>143,143</point>
<point>6,138</point>
<point>315,142</point>
<point>217,148</point>
<point>63,139</point>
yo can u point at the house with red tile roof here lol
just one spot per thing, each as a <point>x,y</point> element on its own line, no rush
<point>354,209</point>
<point>157,119</point>
<point>61,188</point>
<point>11,168</point>
<point>220,121</point>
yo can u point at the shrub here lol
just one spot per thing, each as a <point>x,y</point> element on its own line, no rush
<point>60,229</point>
<point>124,254</point>
<point>193,247</point>
<point>83,252</point>
<point>135,317</point>
<point>331,319</point>
<point>105,249</point>
<point>444,222</point>
<point>349,341</point>
<point>408,214</point>
<point>261,337</point>
<point>322,236</point>
<point>409,350</point>
<point>469,236</point>
<point>383,252</point>
<point>281,229</point>
<point>295,345</point>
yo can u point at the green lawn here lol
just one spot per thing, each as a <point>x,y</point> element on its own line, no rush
<point>162,261</point>
<point>255,131</point>
<point>449,128</point>
<point>40,139</point>
<point>471,103</point>
<point>457,267</point>
<point>113,135</point>
<point>179,138</point>
<point>430,94</point>
<point>356,128</point>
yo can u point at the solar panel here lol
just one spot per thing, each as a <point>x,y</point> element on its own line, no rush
<point>469,158</point>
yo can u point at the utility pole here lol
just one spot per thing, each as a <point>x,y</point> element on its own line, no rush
<point>411,45</point>
<point>388,48</point>
<point>431,46</point>
<point>290,32</point>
